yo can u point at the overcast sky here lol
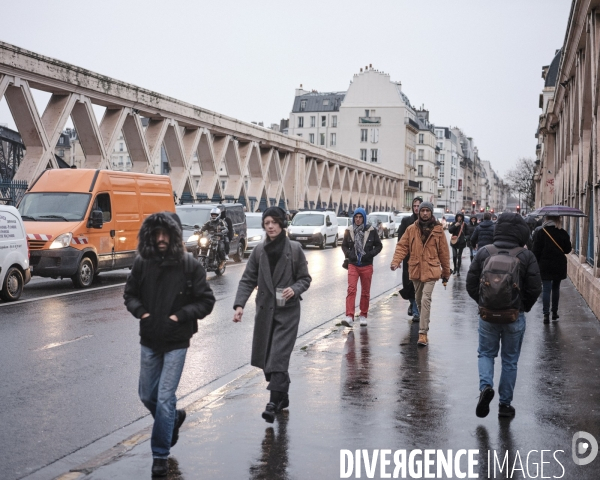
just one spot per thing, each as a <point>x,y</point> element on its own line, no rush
<point>475,64</point>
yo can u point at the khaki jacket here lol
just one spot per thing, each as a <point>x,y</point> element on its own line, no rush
<point>427,262</point>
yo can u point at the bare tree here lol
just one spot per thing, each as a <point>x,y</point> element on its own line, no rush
<point>521,182</point>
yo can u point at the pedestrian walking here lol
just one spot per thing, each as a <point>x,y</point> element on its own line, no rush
<point>484,232</point>
<point>469,230</point>
<point>278,268</point>
<point>408,288</point>
<point>504,279</point>
<point>550,245</point>
<point>458,241</point>
<point>167,290</point>
<point>360,245</point>
<point>426,244</point>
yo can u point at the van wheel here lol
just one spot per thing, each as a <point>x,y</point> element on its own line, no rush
<point>85,274</point>
<point>323,243</point>
<point>335,244</point>
<point>239,254</point>
<point>12,288</point>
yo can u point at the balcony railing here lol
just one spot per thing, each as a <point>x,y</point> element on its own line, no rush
<point>369,120</point>
<point>412,183</point>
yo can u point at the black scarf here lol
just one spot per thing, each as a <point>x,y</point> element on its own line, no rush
<point>274,249</point>
<point>426,228</point>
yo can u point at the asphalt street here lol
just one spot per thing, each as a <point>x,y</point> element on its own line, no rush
<point>69,360</point>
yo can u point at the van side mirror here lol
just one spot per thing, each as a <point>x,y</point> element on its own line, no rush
<point>96,219</point>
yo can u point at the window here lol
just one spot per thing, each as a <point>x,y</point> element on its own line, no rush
<point>61,140</point>
<point>441,179</point>
<point>421,152</point>
<point>334,121</point>
<point>332,140</point>
<point>102,203</point>
<point>363,134</point>
<point>440,145</point>
<point>421,137</point>
<point>442,157</point>
<point>322,139</point>
<point>313,121</point>
<point>363,154</point>
<point>420,170</point>
<point>372,113</point>
<point>453,172</point>
<point>367,113</point>
<point>420,186</point>
<point>300,122</point>
<point>323,121</point>
<point>120,147</point>
<point>325,103</point>
<point>374,135</point>
<point>311,137</point>
<point>302,105</point>
<point>223,184</point>
<point>374,155</point>
<point>61,153</point>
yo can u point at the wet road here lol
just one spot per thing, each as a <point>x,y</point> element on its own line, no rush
<point>69,361</point>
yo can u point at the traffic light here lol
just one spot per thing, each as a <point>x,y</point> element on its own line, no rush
<point>473,204</point>
<point>481,209</point>
<point>518,209</point>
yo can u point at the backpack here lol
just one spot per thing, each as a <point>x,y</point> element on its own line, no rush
<point>499,293</point>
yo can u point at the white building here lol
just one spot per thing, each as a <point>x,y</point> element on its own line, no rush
<point>427,159</point>
<point>450,179</point>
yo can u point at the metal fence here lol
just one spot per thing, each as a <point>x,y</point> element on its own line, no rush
<point>12,192</point>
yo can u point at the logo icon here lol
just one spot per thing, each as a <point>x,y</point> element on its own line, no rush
<point>588,446</point>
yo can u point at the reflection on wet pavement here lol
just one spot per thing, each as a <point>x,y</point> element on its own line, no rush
<point>273,461</point>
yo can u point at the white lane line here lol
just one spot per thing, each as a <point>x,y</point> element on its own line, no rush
<point>59,344</point>
<point>88,290</point>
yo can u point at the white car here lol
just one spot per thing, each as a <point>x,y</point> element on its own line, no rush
<point>387,219</point>
<point>255,234</point>
<point>343,224</point>
<point>313,227</point>
<point>14,254</point>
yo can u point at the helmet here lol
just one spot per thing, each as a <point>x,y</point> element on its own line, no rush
<point>215,211</point>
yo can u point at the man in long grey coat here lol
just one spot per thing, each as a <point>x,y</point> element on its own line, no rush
<point>278,263</point>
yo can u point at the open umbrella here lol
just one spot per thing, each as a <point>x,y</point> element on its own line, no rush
<point>559,211</point>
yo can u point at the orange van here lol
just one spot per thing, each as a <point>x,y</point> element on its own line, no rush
<point>80,222</point>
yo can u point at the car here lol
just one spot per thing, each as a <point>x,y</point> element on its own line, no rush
<point>314,227</point>
<point>387,219</point>
<point>256,233</point>
<point>343,224</point>
<point>14,254</point>
<point>197,214</point>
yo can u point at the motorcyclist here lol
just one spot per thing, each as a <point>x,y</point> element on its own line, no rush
<point>217,225</point>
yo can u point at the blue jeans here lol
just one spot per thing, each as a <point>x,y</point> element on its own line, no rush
<point>490,336</point>
<point>550,286</point>
<point>159,378</point>
<point>415,308</point>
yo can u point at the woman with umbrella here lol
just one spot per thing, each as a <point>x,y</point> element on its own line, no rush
<point>550,245</point>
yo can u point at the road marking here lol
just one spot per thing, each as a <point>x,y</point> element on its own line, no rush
<point>59,344</point>
<point>88,290</point>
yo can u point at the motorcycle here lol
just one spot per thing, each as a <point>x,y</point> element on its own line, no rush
<point>208,251</point>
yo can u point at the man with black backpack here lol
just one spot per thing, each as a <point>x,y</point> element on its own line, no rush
<point>504,279</point>
<point>167,290</point>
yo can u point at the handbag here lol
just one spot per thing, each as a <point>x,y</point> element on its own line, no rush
<point>454,238</point>
<point>553,240</point>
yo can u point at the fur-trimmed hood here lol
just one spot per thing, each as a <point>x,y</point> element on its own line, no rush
<point>171,223</point>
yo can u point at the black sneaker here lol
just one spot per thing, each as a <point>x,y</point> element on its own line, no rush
<point>269,413</point>
<point>178,423</point>
<point>555,315</point>
<point>416,318</point>
<point>410,310</point>
<point>483,405</point>
<point>160,467</point>
<point>546,318</point>
<point>506,411</point>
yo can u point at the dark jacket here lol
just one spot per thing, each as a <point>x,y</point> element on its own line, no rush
<point>407,285</point>
<point>455,229</point>
<point>229,224</point>
<point>372,243</point>
<point>162,286</point>
<point>511,231</point>
<point>405,223</point>
<point>469,229</point>
<point>552,261</point>
<point>483,234</point>
<point>275,328</point>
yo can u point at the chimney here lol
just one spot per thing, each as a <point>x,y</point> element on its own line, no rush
<point>300,91</point>
<point>361,70</point>
<point>370,65</point>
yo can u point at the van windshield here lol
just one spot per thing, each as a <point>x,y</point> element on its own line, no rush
<point>54,206</point>
<point>375,218</point>
<point>193,216</point>
<point>307,220</point>
<point>254,221</point>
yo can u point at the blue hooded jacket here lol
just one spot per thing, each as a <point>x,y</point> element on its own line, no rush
<point>372,246</point>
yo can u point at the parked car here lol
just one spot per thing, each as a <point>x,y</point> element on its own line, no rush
<point>256,233</point>
<point>313,227</point>
<point>80,222</point>
<point>14,254</point>
<point>343,224</point>
<point>199,213</point>
<point>389,225</point>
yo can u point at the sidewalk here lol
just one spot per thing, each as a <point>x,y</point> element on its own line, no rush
<point>373,388</point>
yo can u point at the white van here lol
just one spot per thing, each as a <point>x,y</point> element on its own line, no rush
<point>14,254</point>
<point>312,227</point>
